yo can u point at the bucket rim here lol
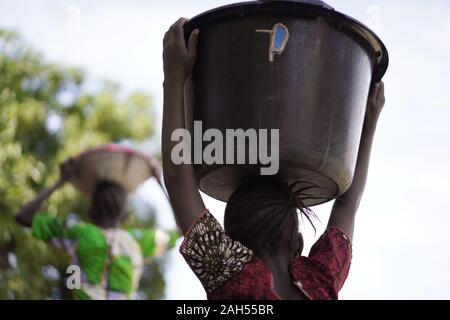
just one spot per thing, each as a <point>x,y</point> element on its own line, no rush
<point>363,34</point>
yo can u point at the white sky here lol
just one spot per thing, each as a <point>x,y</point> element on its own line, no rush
<point>402,239</point>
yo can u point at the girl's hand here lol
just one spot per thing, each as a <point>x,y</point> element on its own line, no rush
<point>375,103</point>
<point>68,169</point>
<point>179,59</point>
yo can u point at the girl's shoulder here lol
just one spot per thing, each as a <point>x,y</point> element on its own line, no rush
<point>212,255</point>
<point>323,273</point>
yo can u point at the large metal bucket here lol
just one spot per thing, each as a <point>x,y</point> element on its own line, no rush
<point>314,91</point>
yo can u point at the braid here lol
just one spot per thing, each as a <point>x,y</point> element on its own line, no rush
<point>298,195</point>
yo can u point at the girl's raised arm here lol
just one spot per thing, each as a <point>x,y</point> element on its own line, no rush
<point>179,179</point>
<point>345,206</point>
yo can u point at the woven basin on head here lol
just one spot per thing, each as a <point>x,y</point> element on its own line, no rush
<point>123,165</point>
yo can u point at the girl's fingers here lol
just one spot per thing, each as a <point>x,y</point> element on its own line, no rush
<point>166,37</point>
<point>173,31</point>
<point>376,89</point>
<point>373,95</point>
<point>380,92</point>
<point>178,29</point>
<point>193,41</point>
<point>180,22</point>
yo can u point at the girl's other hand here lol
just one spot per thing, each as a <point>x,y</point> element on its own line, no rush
<point>375,103</point>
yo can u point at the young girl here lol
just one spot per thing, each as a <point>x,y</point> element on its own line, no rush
<point>110,259</point>
<point>258,256</point>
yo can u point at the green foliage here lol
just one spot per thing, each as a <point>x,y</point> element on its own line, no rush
<point>46,115</point>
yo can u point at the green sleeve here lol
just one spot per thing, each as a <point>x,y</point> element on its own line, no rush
<point>46,227</point>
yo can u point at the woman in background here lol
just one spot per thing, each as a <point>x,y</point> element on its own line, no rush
<point>110,259</point>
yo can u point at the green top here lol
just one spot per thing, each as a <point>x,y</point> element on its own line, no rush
<point>110,260</point>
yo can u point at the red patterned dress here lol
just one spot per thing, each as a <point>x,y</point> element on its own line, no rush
<point>229,270</point>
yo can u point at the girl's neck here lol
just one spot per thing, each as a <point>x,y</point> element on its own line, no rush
<point>279,266</point>
<point>276,262</point>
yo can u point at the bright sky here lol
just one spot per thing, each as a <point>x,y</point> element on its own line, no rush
<point>402,238</point>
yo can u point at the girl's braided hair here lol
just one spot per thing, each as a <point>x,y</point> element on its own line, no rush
<point>262,214</point>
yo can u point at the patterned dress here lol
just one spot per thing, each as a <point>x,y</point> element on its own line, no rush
<point>110,260</point>
<point>229,270</point>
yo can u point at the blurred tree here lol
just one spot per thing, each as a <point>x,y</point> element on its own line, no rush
<point>46,115</point>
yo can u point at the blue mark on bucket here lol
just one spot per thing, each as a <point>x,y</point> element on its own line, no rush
<point>280,35</point>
